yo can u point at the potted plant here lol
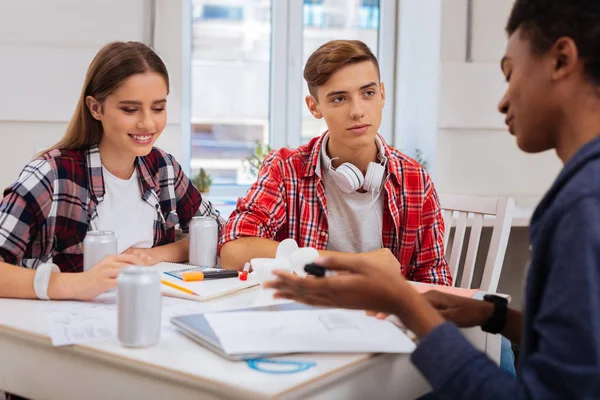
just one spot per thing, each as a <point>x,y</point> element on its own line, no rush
<point>254,161</point>
<point>202,181</point>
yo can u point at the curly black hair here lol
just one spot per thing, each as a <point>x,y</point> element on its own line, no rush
<point>543,22</point>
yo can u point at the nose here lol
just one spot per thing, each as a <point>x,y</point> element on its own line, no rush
<point>357,110</point>
<point>503,105</point>
<point>146,122</point>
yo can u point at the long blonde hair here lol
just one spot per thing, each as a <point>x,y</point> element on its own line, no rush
<point>114,63</point>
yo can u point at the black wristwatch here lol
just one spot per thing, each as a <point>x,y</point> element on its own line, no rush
<point>498,319</point>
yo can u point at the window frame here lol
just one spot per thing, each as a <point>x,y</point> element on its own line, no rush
<point>285,115</point>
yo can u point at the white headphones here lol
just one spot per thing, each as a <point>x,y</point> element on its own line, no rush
<point>349,178</point>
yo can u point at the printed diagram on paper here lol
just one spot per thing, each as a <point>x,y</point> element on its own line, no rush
<point>71,322</point>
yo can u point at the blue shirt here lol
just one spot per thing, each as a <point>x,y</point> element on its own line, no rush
<point>560,349</point>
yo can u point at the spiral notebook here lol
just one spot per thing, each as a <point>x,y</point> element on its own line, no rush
<point>206,289</point>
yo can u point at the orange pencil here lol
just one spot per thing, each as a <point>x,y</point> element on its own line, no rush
<point>174,286</point>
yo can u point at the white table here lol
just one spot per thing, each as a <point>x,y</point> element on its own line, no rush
<point>179,368</point>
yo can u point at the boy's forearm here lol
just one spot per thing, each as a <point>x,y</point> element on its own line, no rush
<point>236,253</point>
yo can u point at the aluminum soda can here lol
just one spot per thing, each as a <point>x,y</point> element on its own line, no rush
<point>139,306</point>
<point>204,234</point>
<point>96,246</point>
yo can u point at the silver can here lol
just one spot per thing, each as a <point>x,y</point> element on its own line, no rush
<point>204,234</point>
<point>96,246</point>
<point>139,303</point>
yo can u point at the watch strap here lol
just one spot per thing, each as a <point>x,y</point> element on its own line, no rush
<point>42,279</point>
<point>496,323</point>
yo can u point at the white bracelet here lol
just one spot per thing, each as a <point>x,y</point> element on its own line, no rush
<point>42,278</point>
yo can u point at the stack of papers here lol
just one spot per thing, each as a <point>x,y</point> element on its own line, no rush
<point>306,331</point>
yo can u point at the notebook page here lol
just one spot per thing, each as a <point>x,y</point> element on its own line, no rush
<point>207,289</point>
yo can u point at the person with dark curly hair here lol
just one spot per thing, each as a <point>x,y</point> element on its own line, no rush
<point>552,65</point>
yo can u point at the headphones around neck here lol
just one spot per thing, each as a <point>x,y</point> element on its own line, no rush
<point>350,179</point>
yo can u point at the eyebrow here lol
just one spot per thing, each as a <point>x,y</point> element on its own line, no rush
<point>336,93</point>
<point>139,103</point>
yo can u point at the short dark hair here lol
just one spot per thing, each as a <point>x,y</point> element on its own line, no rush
<point>331,57</point>
<point>543,22</point>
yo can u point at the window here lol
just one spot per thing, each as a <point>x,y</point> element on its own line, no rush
<point>217,11</point>
<point>244,52</point>
<point>230,85</point>
<point>322,14</point>
<point>335,19</point>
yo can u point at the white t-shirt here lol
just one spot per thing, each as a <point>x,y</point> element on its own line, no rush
<point>125,212</point>
<point>355,219</point>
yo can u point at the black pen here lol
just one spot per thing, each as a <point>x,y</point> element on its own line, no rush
<point>317,270</point>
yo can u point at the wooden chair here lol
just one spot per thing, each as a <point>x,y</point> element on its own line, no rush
<point>461,212</point>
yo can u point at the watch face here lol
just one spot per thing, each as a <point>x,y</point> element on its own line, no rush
<point>495,299</point>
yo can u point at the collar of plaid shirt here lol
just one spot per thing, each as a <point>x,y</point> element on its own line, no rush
<point>150,188</point>
<point>313,166</point>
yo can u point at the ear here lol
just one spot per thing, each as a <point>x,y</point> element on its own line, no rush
<point>565,56</point>
<point>313,107</point>
<point>94,106</point>
<point>382,89</point>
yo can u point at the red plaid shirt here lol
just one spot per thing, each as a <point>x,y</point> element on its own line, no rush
<point>288,201</point>
<point>47,212</point>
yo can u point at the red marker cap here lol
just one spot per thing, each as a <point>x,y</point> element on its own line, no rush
<point>243,275</point>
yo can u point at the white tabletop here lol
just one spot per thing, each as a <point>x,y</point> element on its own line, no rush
<point>177,365</point>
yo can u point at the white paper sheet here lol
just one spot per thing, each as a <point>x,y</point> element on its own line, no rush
<point>81,332</point>
<point>307,331</point>
<point>73,322</point>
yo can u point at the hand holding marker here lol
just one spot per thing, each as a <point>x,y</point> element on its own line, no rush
<point>317,270</point>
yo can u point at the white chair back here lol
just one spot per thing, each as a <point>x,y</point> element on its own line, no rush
<point>461,212</point>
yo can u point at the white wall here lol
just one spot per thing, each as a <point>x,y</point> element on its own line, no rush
<point>417,79</point>
<point>45,49</point>
<point>475,153</point>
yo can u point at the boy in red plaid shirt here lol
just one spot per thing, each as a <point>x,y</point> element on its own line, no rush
<point>347,190</point>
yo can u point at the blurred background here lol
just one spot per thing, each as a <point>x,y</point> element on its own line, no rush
<point>236,67</point>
